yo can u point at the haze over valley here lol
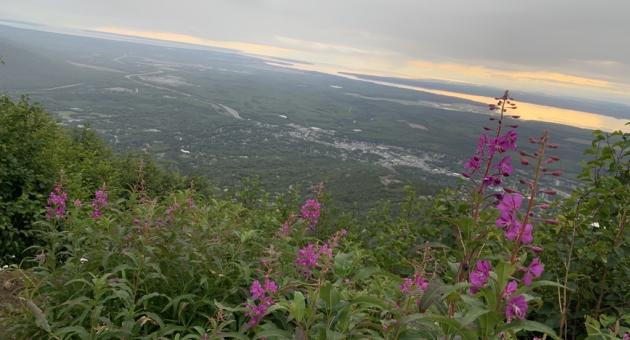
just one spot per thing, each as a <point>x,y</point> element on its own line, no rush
<point>230,115</point>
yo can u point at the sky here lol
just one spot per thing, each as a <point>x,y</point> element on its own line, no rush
<point>564,47</point>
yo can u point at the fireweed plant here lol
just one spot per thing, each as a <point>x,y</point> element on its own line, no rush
<point>500,260</point>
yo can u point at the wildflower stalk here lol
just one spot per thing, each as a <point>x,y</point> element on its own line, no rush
<point>532,197</point>
<point>482,185</point>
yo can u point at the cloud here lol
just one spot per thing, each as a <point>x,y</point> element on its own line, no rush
<point>564,43</point>
<point>328,48</point>
<point>247,47</point>
<point>483,72</point>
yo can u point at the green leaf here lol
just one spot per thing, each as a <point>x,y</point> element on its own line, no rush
<point>370,301</point>
<point>40,317</point>
<point>329,294</point>
<point>437,291</point>
<point>472,315</point>
<point>297,307</point>
<point>365,273</point>
<point>540,283</point>
<point>528,325</point>
<point>444,321</point>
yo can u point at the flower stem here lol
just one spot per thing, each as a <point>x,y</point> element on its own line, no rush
<point>532,196</point>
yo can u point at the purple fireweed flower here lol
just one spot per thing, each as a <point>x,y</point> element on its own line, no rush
<point>473,164</point>
<point>310,211</point>
<point>535,269</point>
<point>626,336</point>
<point>256,311</point>
<point>326,250</point>
<point>510,288</point>
<point>56,207</point>
<point>510,203</point>
<point>508,207</point>
<point>506,221</point>
<point>307,258</point>
<point>527,237</point>
<point>310,256</point>
<point>410,286</point>
<point>421,282</point>
<point>516,307</point>
<point>478,277</point>
<point>333,242</point>
<point>505,166</point>
<point>526,233</point>
<point>77,203</point>
<point>287,226</point>
<point>285,230</point>
<point>492,181</point>
<point>270,286</point>
<point>99,202</point>
<point>256,290</point>
<point>508,141</point>
<point>407,285</point>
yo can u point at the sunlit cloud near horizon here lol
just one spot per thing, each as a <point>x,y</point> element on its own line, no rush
<point>349,59</point>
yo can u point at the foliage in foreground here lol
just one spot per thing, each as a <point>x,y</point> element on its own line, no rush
<point>36,152</point>
<point>488,261</point>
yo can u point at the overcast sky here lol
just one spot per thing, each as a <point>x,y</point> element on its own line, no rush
<point>564,46</point>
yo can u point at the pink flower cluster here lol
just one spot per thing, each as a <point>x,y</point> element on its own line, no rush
<point>535,269</point>
<point>262,299</point>
<point>308,258</point>
<point>487,147</point>
<point>508,220</point>
<point>170,211</point>
<point>310,212</point>
<point>56,203</point>
<point>479,276</point>
<point>516,306</point>
<point>99,202</point>
<point>287,226</point>
<point>414,285</point>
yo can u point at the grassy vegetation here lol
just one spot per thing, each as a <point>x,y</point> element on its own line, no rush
<point>168,257</point>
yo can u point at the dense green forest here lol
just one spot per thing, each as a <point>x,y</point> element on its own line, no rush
<point>101,245</point>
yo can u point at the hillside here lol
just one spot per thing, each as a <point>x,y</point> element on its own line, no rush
<point>100,245</point>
